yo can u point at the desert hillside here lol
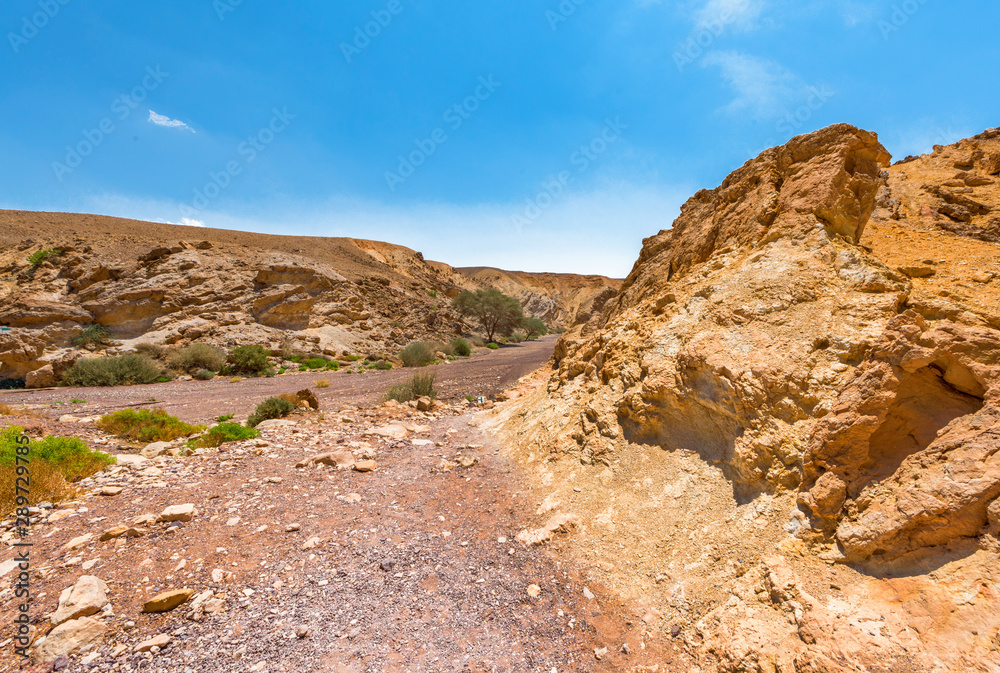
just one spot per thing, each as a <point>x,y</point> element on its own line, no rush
<point>789,415</point>
<point>170,284</point>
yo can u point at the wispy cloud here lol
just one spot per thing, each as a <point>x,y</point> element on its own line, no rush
<point>188,222</point>
<point>763,88</point>
<point>737,14</point>
<point>163,120</point>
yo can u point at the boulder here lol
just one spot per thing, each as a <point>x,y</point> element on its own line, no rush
<point>69,637</point>
<point>83,599</point>
<point>45,377</point>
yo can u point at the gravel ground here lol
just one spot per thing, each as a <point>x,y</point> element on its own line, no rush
<point>416,568</point>
<point>485,373</point>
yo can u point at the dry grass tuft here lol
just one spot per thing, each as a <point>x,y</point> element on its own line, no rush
<point>322,383</point>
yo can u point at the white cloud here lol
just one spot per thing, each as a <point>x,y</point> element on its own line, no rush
<point>763,88</point>
<point>188,222</point>
<point>163,120</point>
<point>738,14</point>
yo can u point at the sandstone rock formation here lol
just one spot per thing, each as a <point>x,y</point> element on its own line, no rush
<point>785,334</point>
<point>323,295</point>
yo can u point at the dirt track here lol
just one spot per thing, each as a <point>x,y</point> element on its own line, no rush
<point>485,373</point>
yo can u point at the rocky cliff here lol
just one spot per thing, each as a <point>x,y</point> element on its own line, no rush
<point>798,383</point>
<point>167,284</point>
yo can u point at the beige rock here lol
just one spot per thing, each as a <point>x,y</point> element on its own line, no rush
<point>44,377</point>
<point>365,466</point>
<point>168,600</point>
<point>339,459</point>
<point>69,637</point>
<point>424,404</point>
<point>184,512</point>
<point>83,599</point>
<point>78,542</point>
<point>392,431</point>
<point>111,490</point>
<point>159,641</point>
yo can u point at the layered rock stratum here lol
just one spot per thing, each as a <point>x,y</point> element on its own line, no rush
<point>170,284</point>
<point>783,433</point>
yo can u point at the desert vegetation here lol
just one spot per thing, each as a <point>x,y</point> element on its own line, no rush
<point>419,385</point>
<point>144,425</point>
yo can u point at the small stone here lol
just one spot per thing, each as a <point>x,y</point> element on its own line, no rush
<point>626,649</point>
<point>365,465</point>
<point>111,490</point>
<point>534,590</point>
<point>292,527</point>
<point>157,642</point>
<point>184,512</point>
<point>675,630</point>
<point>424,404</point>
<point>312,542</point>
<point>301,632</point>
<point>78,542</point>
<point>218,575</point>
<point>112,533</point>
<point>600,652</point>
<point>168,600</point>
<point>588,594</point>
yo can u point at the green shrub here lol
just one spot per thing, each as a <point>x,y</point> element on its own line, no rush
<point>417,354</point>
<point>332,366</point>
<point>122,370</point>
<point>55,461</point>
<point>39,256</point>
<point>195,357</point>
<point>421,385</point>
<point>222,433</point>
<point>97,335</point>
<point>249,360</point>
<point>461,347</point>
<point>493,346</point>
<point>315,363</point>
<point>382,365</point>
<point>69,455</point>
<point>272,407</point>
<point>144,425</point>
<point>432,293</point>
<point>226,417</point>
<point>74,400</point>
<point>204,375</point>
<point>152,351</point>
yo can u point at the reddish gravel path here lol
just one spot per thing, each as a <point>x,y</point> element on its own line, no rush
<point>485,373</point>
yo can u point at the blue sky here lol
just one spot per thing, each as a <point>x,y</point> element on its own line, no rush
<point>526,135</point>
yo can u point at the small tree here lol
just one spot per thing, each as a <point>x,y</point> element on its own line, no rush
<point>533,327</point>
<point>496,312</point>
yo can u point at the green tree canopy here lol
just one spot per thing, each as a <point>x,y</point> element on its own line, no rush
<point>496,312</point>
<point>533,327</point>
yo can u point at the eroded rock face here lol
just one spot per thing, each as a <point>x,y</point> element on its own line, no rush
<point>912,441</point>
<point>803,334</point>
<point>734,328</point>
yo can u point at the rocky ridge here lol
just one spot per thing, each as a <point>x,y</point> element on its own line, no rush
<point>804,370</point>
<point>167,284</point>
